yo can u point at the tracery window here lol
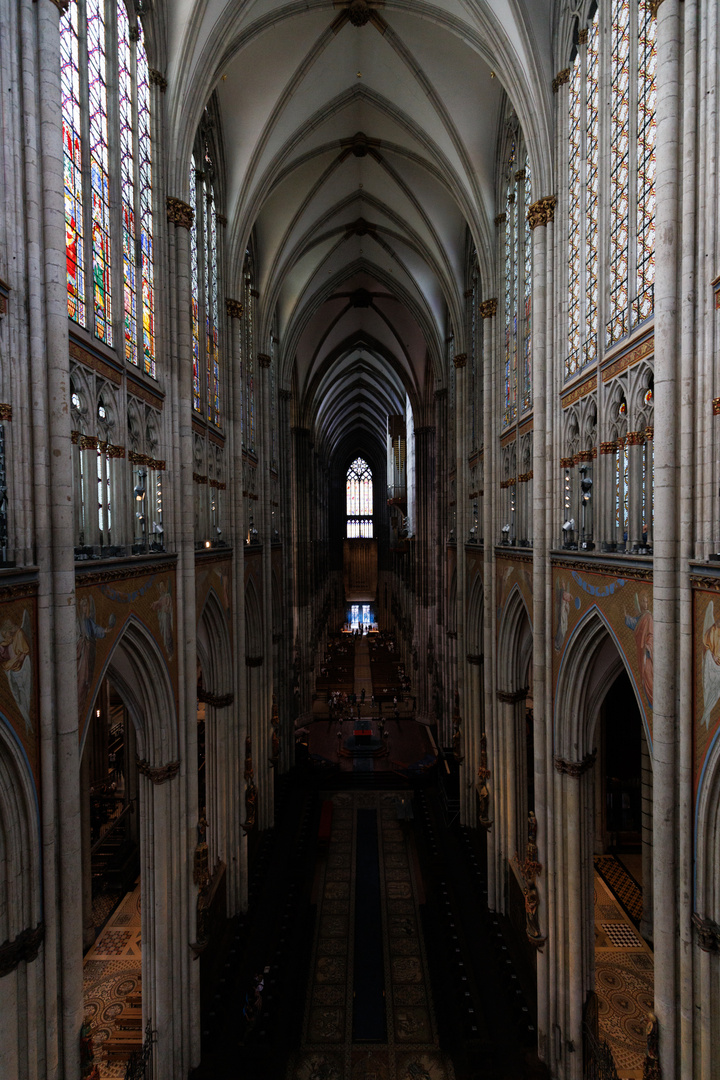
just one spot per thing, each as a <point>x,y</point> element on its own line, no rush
<point>612,280</point>
<point>105,85</point>
<point>359,500</point>
<point>517,356</point>
<point>247,355</point>
<point>204,275</point>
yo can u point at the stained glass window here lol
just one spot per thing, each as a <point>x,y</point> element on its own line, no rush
<point>517,355</point>
<point>195,290</point>
<point>643,303</point>
<point>359,499</point>
<point>592,209</point>
<point>106,103</point>
<point>72,164</point>
<point>527,289</point>
<point>619,169</point>
<point>249,356</point>
<point>99,173</point>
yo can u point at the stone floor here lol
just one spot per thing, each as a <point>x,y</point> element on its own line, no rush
<point>623,981</point>
<point>111,972</point>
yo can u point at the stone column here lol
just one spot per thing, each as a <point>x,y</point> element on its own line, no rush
<point>426,541</point>
<point>265,774</point>
<point>287,734</point>
<point>467,816</point>
<point>646,924</point>
<point>540,218</point>
<point>666,549</point>
<point>635,440</point>
<point>488,311</point>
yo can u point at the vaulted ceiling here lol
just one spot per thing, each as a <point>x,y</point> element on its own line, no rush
<point>360,141</point>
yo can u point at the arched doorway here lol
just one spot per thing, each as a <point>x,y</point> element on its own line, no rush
<point>137,712</point>
<point>603,852</point>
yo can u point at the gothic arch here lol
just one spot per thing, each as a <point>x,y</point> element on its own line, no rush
<point>253,622</point>
<point>475,617</point>
<point>514,643</point>
<point>707,838</point>
<point>213,645</point>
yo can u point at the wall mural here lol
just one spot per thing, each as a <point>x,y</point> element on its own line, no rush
<point>18,663</point>
<point>514,570</point>
<point>625,602</point>
<point>105,601</point>
<point>706,675</point>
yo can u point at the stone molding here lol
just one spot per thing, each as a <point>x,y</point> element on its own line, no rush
<point>460,360</point>
<point>179,213</point>
<point>101,577</point>
<point>511,697</point>
<point>606,569</point>
<point>542,212</point>
<point>579,391</point>
<point>218,701</point>
<point>158,79</point>
<point>24,947</point>
<point>576,768</point>
<point>157,774</point>
<point>144,459</point>
<point>488,308</point>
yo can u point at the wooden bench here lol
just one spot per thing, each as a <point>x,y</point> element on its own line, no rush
<point>121,1044</point>
<point>130,1019</point>
<point>326,815</point>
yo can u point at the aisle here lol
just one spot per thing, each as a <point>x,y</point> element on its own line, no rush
<point>363,678</point>
<point>410,1048</point>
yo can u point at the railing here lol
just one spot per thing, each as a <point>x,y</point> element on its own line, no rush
<point>139,1064</point>
<point>598,1062</point>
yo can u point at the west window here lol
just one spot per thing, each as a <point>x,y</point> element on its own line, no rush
<point>359,501</point>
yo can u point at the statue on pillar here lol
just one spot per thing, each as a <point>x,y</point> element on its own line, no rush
<point>275,738</point>
<point>651,1065</point>
<point>529,871</point>
<point>457,740</point>
<point>249,772</point>
<point>484,775</point>
<point>201,868</point>
<point>251,796</point>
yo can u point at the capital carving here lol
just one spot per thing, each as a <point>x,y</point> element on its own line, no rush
<point>716,406</point>
<point>284,394</point>
<point>542,211</point>
<point>159,774</point>
<point>561,79</point>
<point>264,360</point>
<point>488,308</point>
<point>511,697</point>
<point>158,79</point>
<point>234,308</point>
<point>708,933</point>
<point>501,219</point>
<point>5,411</point>
<point>583,36</point>
<point>607,447</point>
<point>635,438</point>
<point>61,5</point>
<point>221,219</point>
<point>576,768</point>
<point>460,360</point>
<point>23,947</point>
<point>520,175</point>
<point>179,213</point>
<point>253,661</point>
<point>218,701</point>
<point>653,6</point>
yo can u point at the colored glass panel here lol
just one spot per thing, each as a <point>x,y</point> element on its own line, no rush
<point>194,290</point>
<point>647,62</point>
<point>146,214</point>
<point>527,290</point>
<point>99,175</point>
<point>574,218</point>
<point>619,170</point>
<point>127,182</point>
<point>592,209</point>
<point>72,164</point>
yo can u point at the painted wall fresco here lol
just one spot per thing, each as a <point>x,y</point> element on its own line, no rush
<point>513,570</point>
<point>105,602</point>
<point>18,669</point>
<point>706,675</point>
<point>624,600</point>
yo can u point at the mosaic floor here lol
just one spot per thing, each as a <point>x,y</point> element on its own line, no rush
<point>623,982</point>
<point>328,1052</point>
<point>111,972</point>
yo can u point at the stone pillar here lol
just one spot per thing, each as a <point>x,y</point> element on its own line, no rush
<point>488,311</point>
<point>265,774</point>
<point>467,808</point>
<point>426,543</point>
<point>666,549</point>
<point>88,925</point>
<point>287,735</point>
<point>635,440</point>
<point>540,217</point>
<point>646,924</point>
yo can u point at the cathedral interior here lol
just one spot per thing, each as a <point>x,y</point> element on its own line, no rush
<point>346,496</point>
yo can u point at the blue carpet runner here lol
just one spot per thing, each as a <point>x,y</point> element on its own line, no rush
<point>369,1016</point>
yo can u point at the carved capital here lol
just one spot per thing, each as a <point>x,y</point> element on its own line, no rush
<point>653,6</point>
<point>61,5</point>
<point>474,658</point>
<point>284,394</point>
<point>542,211</point>
<point>460,360</point>
<point>583,36</point>
<point>511,697</point>
<point>635,438</point>
<point>218,701</point>
<point>708,933</point>
<point>158,79</point>
<point>501,219</point>
<point>24,947</point>
<point>179,213</point>
<point>264,360</point>
<point>488,308</point>
<point>253,661</point>
<point>607,447</point>
<point>5,411</point>
<point>158,774</point>
<point>234,308</point>
<point>576,768</point>
<point>561,79</point>
<point>716,406</point>
<point>221,220</point>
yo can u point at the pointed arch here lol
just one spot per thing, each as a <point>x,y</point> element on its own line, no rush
<point>213,645</point>
<point>20,899</point>
<point>514,643</point>
<point>476,608</point>
<point>253,622</point>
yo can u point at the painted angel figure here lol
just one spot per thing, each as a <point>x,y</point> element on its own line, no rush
<point>164,608</point>
<point>17,663</point>
<point>642,627</point>
<point>563,600</point>
<point>88,632</point>
<point>711,663</point>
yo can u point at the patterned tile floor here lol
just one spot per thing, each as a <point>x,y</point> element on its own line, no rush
<point>623,982</point>
<point>328,1052</point>
<point>112,971</point>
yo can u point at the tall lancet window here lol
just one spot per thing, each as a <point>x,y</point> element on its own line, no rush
<point>248,355</point>
<point>204,271</point>
<point>359,500</point>
<point>517,293</point>
<point>105,82</point>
